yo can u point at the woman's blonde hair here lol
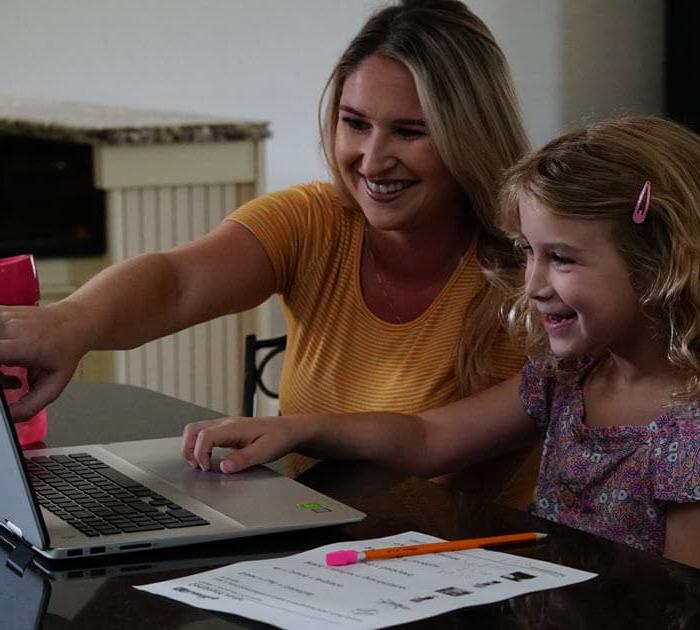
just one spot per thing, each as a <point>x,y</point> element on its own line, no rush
<point>597,174</point>
<point>471,109</point>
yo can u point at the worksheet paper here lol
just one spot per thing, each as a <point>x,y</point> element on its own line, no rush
<point>300,592</point>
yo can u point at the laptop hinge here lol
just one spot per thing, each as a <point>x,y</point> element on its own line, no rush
<point>20,557</point>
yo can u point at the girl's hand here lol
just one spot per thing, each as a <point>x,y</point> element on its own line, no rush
<point>45,340</point>
<point>252,440</point>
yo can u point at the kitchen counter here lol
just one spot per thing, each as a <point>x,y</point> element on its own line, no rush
<point>94,124</point>
<point>157,179</point>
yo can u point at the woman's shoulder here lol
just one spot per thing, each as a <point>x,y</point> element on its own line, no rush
<point>328,212</point>
<point>317,192</point>
<point>312,195</point>
<point>308,208</point>
<point>299,227</point>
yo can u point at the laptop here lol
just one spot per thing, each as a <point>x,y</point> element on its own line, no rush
<point>91,500</point>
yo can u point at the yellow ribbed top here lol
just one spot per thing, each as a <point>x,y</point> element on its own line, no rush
<point>340,356</point>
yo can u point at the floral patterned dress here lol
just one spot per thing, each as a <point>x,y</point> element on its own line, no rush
<point>611,481</point>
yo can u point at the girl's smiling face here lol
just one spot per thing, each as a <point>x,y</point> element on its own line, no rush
<point>580,284</point>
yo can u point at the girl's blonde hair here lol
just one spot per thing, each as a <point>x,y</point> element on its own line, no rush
<point>597,174</point>
<point>471,109</point>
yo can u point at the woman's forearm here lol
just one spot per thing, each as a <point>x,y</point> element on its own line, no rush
<point>152,295</point>
<point>125,305</point>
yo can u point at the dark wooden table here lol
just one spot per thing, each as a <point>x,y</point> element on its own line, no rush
<point>634,589</point>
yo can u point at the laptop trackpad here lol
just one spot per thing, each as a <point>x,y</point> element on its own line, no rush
<point>258,497</point>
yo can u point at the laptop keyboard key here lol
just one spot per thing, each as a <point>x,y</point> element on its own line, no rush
<point>118,509</point>
<point>179,524</point>
<point>119,478</point>
<point>142,528</point>
<point>109,530</point>
<point>180,514</point>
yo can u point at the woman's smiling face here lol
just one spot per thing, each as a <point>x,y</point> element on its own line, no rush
<point>579,283</point>
<point>384,151</point>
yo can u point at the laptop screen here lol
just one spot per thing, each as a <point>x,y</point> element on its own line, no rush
<point>19,511</point>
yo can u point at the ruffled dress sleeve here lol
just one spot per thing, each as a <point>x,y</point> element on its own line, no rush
<point>536,388</point>
<point>675,458</point>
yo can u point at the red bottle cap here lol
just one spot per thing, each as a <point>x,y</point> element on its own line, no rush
<point>19,283</point>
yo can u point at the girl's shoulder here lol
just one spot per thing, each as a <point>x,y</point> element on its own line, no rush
<point>547,386</point>
<point>544,372</point>
<point>681,422</point>
<point>675,453</point>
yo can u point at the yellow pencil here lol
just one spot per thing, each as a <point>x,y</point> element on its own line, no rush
<point>348,556</point>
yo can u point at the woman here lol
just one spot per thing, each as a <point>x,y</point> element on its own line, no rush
<point>379,273</point>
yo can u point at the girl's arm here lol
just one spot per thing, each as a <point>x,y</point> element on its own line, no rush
<point>132,302</point>
<point>431,443</point>
<point>683,533</point>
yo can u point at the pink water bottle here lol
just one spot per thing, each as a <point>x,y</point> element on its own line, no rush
<point>19,286</point>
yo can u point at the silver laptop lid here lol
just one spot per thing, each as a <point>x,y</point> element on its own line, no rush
<point>20,511</point>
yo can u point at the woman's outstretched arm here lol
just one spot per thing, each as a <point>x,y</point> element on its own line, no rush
<point>132,302</point>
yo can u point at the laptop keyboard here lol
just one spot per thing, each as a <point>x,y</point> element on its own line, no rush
<point>97,499</point>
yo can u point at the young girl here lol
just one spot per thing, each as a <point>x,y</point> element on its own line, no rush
<point>608,221</point>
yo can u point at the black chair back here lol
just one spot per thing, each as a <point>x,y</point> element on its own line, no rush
<point>254,369</point>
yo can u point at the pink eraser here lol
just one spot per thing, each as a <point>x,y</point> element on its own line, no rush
<point>339,558</point>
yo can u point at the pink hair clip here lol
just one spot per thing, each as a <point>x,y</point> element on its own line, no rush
<point>643,202</point>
